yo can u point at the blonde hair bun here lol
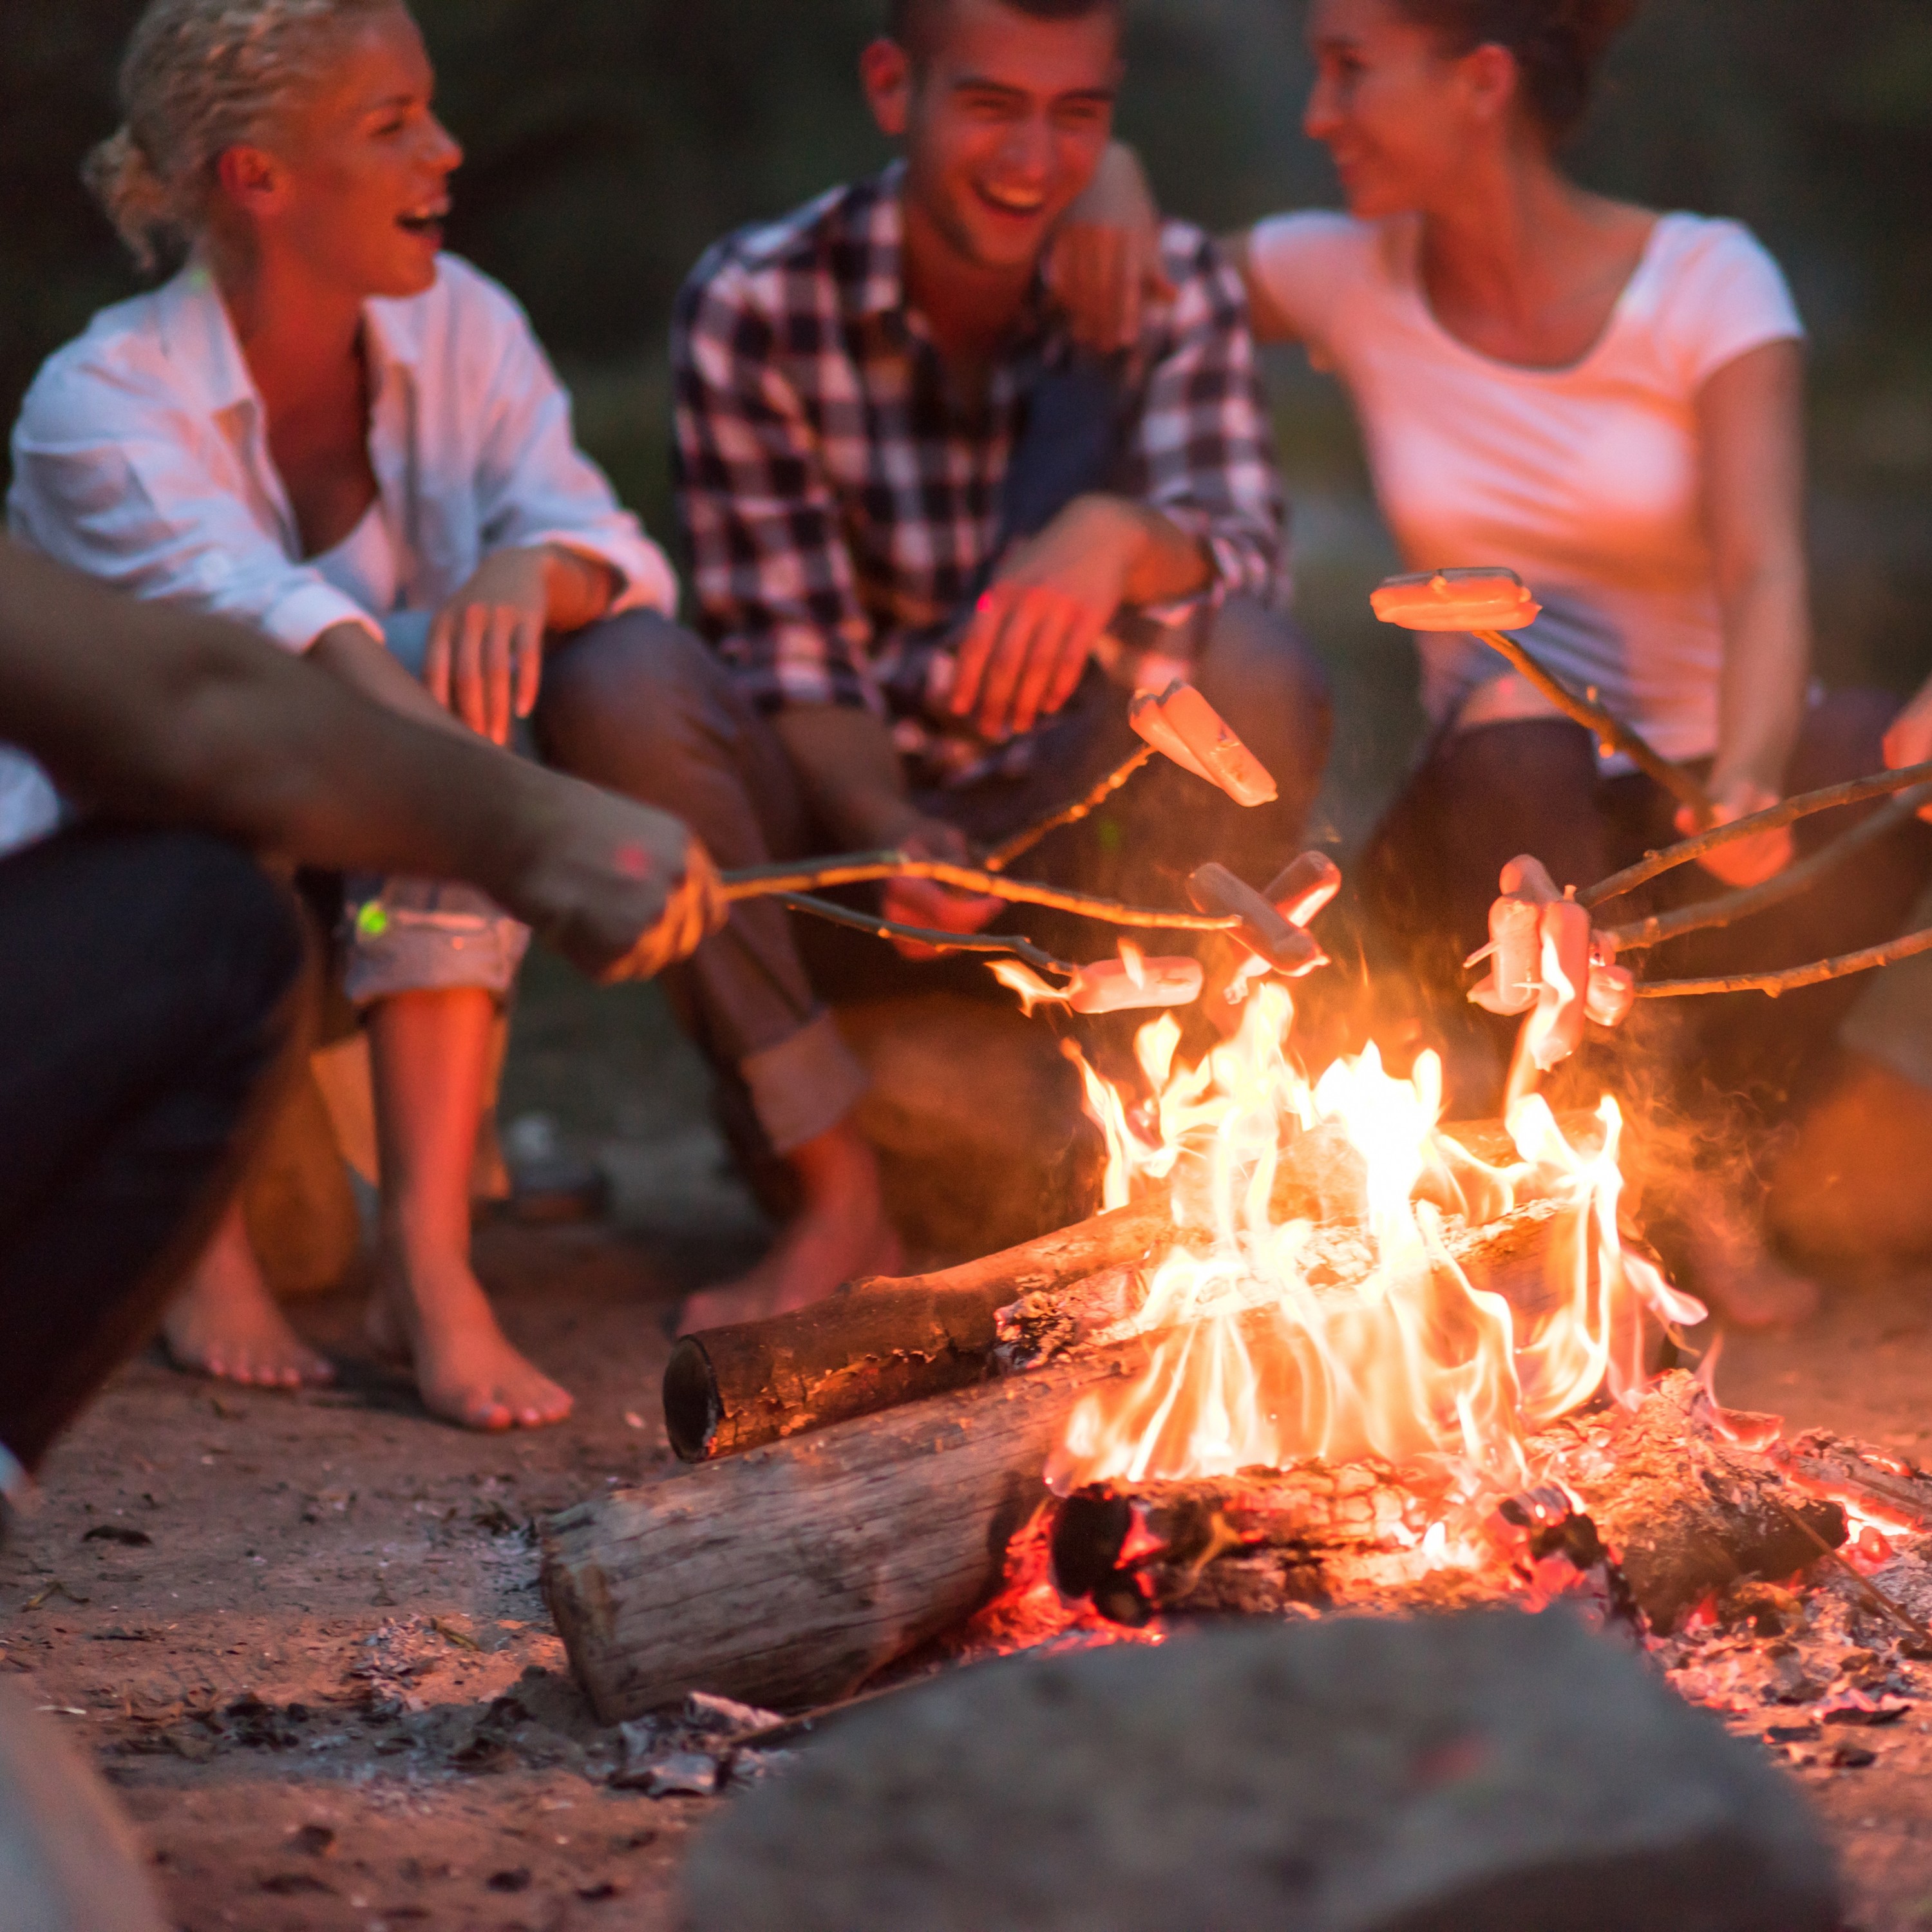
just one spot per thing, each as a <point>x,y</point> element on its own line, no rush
<point>199,77</point>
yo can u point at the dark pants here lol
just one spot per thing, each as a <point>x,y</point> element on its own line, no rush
<point>149,996</point>
<point>645,709</point>
<point>1482,797</point>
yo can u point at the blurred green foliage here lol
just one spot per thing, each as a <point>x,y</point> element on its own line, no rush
<point>610,140</point>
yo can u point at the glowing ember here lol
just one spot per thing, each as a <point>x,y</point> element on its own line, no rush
<point>1265,1369</point>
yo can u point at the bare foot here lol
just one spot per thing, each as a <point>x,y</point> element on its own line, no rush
<point>430,1310</point>
<point>840,1234</point>
<point>226,1323</point>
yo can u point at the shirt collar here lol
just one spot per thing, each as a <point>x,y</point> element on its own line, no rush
<point>198,335</point>
<point>880,231</point>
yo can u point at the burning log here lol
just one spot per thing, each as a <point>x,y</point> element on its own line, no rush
<point>884,1343</point>
<point>887,1342</point>
<point>1685,1513</point>
<point>786,1577</point>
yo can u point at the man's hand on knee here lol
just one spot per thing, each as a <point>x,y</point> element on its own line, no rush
<point>924,902</point>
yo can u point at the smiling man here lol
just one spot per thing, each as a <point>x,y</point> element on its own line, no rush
<point>920,522</point>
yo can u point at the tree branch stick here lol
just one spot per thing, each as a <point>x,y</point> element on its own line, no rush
<point>1021,843</point>
<point>1655,864</point>
<point>860,868</point>
<point>1796,977</point>
<point>1610,731</point>
<point>940,942</point>
<point>1794,879</point>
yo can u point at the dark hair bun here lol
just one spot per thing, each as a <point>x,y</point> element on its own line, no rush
<point>1559,45</point>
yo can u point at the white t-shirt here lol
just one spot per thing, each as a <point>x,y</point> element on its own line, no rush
<point>1584,480</point>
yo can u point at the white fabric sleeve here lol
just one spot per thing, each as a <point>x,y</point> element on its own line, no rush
<point>1304,262</point>
<point>535,486</point>
<point>1727,297</point>
<point>136,508</point>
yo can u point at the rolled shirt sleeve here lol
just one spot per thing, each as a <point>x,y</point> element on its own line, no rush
<point>534,485</point>
<point>1203,451</point>
<point>135,496</point>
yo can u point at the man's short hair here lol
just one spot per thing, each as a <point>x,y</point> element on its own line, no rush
<point>915,24</point>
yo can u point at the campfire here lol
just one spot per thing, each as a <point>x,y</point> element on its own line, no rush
<point>1320,1351</point>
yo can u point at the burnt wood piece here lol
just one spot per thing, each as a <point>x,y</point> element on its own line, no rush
<point>886,1342</point>
<point>1684,1513</point>
<point>883,1343</point>
<point>1826,1466</point>
<point>1687,1513</point>
<point>787,1576</point>
<point>1250,1544</point>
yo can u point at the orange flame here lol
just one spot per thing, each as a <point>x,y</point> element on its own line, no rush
<point>1255,1365</point>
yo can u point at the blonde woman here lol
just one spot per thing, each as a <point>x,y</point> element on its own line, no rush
<point>324,426</point>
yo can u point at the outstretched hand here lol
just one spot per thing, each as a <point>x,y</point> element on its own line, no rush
<point>621,890</point>
<point>1745,862</point>
<point>924,902</point>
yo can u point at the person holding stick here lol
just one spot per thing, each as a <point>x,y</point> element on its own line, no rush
<point>324,426</point>
<point>1607,401</point>
<point>920,524</point>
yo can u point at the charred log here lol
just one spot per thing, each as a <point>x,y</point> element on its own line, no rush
<point>887,1342</point>
<point>1689,1514</point>
<point>1683,1515</point>
<point>883,1344</point>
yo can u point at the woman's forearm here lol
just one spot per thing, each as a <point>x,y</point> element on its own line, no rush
<point>352,654</point>
<point>1767,668</point>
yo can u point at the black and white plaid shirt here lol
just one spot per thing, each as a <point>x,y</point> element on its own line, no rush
<point>842,502</point>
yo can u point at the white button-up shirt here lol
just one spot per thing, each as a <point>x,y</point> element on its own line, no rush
<point>141,457</point>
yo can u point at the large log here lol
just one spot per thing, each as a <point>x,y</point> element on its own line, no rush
<point>785,1575</point>
<point>886,1342</point>
<point>1684,1513</point>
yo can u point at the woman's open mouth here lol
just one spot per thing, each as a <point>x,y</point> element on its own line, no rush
<point>425,223</point>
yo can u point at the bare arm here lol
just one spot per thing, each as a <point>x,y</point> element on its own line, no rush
<point>156,715</point>
<point>1751,424</point>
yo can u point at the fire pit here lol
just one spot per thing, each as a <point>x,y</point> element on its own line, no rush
<point>1318,1352</point>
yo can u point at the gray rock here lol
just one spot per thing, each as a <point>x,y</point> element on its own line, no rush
<point>1487,1773</point>
<point>68,1862</point>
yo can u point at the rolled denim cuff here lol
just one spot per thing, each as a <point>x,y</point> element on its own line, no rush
<point>805,1085</point>
<point>416,936</point>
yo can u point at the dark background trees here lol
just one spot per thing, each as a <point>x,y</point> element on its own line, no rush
<point>609,140</point>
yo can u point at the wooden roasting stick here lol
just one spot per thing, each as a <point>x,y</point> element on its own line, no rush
<point>1489,604</point>
<point>885,1342</point>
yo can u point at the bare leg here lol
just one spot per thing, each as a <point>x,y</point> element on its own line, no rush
<point>430,1054</point>
<point>839,1234</point>
<point>225,1323</point>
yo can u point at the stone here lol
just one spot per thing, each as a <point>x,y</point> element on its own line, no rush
<point>1461,1774</point>
<point>68,1860</point>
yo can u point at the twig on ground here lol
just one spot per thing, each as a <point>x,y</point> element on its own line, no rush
<point>940,942</point>
<point>1610,731</point>
<point>1655,864</point>
<point>1879,1599</point>
<point>1021,843</point>
<point>1795,978</point>
<point>1794,879</point>
<point>861,868</point>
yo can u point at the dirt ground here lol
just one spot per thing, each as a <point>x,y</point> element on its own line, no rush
<point>302,1636</point>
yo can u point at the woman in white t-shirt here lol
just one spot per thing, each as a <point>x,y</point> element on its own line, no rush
<point>1606,399</point>
<point>326,428</point>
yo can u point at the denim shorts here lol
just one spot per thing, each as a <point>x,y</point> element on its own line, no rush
<point>423,935</point>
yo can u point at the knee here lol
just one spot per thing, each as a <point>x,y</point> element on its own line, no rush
<point>628,693</point>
